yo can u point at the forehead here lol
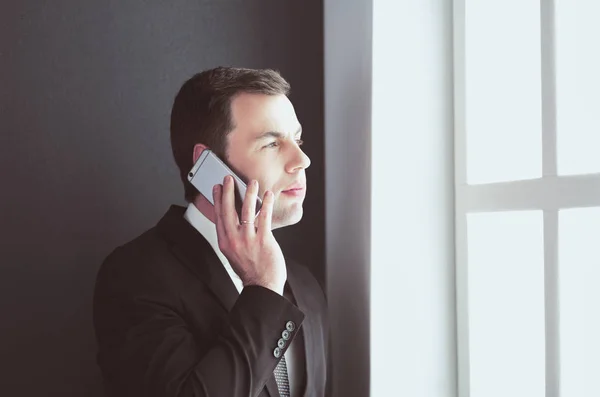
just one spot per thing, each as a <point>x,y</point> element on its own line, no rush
<point>254,114</point>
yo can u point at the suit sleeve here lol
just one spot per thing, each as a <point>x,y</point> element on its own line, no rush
<point>146,348</point>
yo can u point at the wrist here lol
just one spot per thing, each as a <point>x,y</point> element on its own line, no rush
<point>275,287</point>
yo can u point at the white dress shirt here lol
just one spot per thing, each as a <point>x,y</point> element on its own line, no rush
<point>209,230</point>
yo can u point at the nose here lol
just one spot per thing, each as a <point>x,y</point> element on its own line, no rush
<point>298,161</point>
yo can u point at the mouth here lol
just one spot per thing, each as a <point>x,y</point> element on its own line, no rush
<point>297,190</point>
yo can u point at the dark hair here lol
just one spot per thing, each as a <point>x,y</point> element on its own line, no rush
<point>202,111</point>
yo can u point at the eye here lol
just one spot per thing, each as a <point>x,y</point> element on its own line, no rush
<point>271,145</point>
<point>300,142</point>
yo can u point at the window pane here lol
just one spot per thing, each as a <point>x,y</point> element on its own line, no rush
<point>506,304</point>
<point>579,282</point>
<point>503,90</point>
<point>578,86</point>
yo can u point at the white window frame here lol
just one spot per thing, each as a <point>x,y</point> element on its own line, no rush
<point>550,193</point>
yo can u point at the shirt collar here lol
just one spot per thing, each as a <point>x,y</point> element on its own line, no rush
<point>209,231</point>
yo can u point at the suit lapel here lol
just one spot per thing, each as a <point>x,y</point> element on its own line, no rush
<point>271,386</point>
<point>307,328</point>
<point>192,249</point>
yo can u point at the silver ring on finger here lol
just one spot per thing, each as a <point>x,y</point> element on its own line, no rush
<point>246,223</point>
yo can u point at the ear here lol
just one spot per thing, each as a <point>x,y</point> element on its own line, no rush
<point>198,149</point>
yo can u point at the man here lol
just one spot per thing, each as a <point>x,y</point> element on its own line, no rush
<point>204,303</point>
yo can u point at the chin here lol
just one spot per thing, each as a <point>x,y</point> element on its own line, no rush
<point>289,218</point>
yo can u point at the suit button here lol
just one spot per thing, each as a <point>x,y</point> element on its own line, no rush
<point>285,335</point>
<point>290,326</point>
<point>281,343</point>
<point>277,352</point>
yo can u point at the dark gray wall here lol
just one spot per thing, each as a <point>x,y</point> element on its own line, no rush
<point>85,95</point>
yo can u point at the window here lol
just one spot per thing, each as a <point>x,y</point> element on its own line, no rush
<point>527,157</point>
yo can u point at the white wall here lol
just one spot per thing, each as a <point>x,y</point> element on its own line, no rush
<point>390,196</point>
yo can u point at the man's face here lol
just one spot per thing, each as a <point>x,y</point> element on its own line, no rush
<point>265,145</point>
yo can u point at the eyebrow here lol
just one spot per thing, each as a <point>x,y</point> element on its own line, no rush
<point>276,134</point>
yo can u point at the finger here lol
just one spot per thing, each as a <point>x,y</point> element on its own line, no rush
<point>249,206</point>
<point>217,194</point>
<point>228,213</point>
<point>266,213</point>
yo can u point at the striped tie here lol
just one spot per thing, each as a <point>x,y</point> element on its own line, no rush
<point>281,377</point>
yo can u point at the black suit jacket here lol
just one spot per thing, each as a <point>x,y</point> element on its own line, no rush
<point>169,321</point>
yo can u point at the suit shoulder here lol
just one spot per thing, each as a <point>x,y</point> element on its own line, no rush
<point>307,278</point>
<point>145,260</point>
<point>141,249</point>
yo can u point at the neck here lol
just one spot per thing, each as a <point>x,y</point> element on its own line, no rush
<point>206,208</point>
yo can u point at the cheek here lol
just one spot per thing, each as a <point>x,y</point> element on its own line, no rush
<point>265,172</point>
<point>268,179</point>
<point>266,183</point>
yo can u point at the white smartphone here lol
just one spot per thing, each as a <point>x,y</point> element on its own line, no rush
<point>210,170</point>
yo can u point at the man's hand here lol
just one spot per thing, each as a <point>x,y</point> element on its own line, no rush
<point>251,249</point>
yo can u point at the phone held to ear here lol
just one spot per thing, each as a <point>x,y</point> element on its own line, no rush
<point>210,170</point>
